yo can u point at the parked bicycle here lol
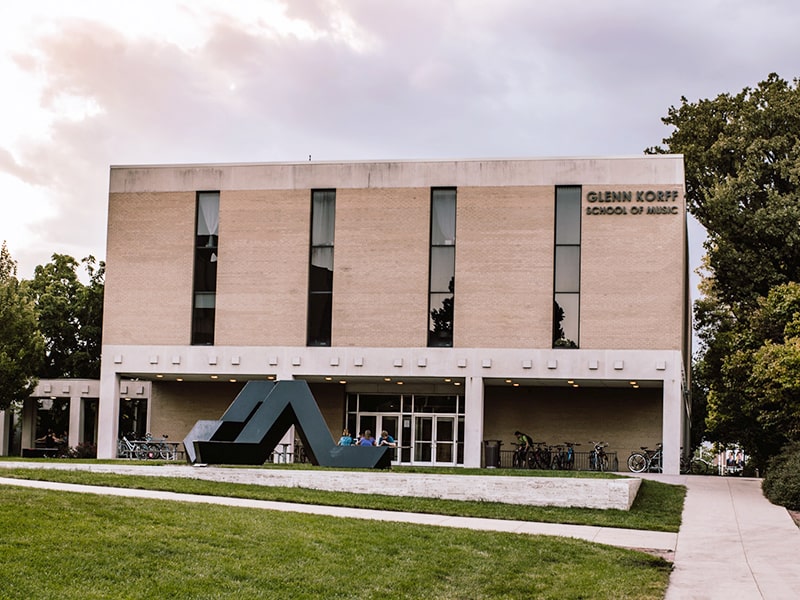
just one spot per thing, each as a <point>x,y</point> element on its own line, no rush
<point>568,461</point>
<point>598,459</point>
<point>147,448</point>
<point>539,456</point>
<point>646,460</point>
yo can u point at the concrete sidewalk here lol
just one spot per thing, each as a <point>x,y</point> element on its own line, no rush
<point>733,543</point>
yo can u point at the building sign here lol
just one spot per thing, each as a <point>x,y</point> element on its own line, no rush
<point>632,202</point>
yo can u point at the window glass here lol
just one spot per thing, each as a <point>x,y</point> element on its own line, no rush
<point>435,404</point>
<point>205,270</point>
<point>443,268</point>
<point>319,319</point>
<point>379,403</point>
<point>320,270</point>
<point>440,328</point>
<point>320,276</point>
<point>323,211</point>
<point>443,217</point>
<point>565,320</point>
<point>568,268</point>
<point>568,215</point>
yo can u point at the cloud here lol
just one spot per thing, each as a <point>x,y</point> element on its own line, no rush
<point>364,80</point>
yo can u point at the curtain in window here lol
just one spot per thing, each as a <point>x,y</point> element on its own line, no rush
<point>443,231</point>
<point>208,216</point>
<point>323,211</point>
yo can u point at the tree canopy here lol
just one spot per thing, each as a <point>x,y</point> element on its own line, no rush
<point>742,159</point>
<point>70,315</point>
<point>21,345</point>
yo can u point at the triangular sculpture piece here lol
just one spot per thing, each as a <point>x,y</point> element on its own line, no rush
<point>257,420</point>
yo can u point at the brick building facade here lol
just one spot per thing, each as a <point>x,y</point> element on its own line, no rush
<point>449,302</point>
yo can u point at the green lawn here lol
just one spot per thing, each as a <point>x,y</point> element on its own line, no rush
<point>657,507</point>
<point>64,545</point>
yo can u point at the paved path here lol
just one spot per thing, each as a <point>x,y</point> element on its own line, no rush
<point>733,544</point>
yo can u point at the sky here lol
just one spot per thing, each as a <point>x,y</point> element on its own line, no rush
<point>87,84</point>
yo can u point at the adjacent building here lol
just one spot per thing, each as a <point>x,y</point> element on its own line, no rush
<point>449,302</point>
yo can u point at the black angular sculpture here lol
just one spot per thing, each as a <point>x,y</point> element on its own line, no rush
<point>257,420</point>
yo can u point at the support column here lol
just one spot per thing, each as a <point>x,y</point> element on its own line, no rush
<point>5,431</point>
<point>108,412</point>
<point>75,421</point>
<point>672,424</point>
<point>473,421</point>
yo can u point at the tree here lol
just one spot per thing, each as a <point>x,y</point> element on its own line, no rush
<point>69,315</point>
<point>21,345</point>
<point>742,157</point>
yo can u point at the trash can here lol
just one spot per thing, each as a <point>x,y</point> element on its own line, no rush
<point>491,453</point>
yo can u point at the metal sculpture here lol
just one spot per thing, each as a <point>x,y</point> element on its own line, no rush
<point>257,420</point>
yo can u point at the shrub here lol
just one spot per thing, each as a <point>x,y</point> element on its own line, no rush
<point>782,481</point>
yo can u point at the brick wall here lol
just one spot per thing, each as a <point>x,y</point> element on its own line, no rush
<point>149,260</point>
<point>504,267</point>
<point>262,279</point>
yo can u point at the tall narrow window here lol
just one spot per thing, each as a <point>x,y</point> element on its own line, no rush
<point>205,268</point>
<point>320,271</point>
<point>441,288</point>
<point>567,268</point>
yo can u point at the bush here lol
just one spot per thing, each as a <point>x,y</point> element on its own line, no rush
<point>782,480</point>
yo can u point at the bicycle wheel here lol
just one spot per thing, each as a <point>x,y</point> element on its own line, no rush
<point>637,462</point>
<point>140,451</point>
<point>165,452</point>
<point>602,463</point>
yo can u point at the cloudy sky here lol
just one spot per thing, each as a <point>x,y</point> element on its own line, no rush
<point>88,84</point>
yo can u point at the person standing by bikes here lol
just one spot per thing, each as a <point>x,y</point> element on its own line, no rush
<point>524,444</point>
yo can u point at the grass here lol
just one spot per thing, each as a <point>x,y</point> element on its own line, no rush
<point>657,507</point>
<point>63,545</point>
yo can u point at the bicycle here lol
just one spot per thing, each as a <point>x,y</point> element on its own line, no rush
<point>598,459</point>
<point>646,460</point>
<point>539,457</point>
<point>568,460</point>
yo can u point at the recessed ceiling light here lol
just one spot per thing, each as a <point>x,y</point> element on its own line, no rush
<point>179,379</point>
<point>232,380</point>
<point>508,381</point>
<point>342,381</point>
<point>456,383</point>
<point>214,376</point>
<point>570,381</point>
<point>516,385</point>
<point>159,376</point>
<point>328,378</point>
<point>387,378</point>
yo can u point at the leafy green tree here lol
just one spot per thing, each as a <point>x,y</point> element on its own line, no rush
<point>742,159</point>
<point>69,315</point>
<point>21,345</point>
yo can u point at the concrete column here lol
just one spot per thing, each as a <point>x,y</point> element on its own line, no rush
<point>5,431</point>
<point>108,412</point>
<point>473,421</point>
<point>75,421</point>
<point>672,423</point>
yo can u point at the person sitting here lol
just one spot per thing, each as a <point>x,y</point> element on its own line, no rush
<point>346,439</point>
<point>367,439</point>
<point>386,439</point>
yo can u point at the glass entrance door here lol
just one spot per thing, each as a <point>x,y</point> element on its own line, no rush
<point>434,441</point>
